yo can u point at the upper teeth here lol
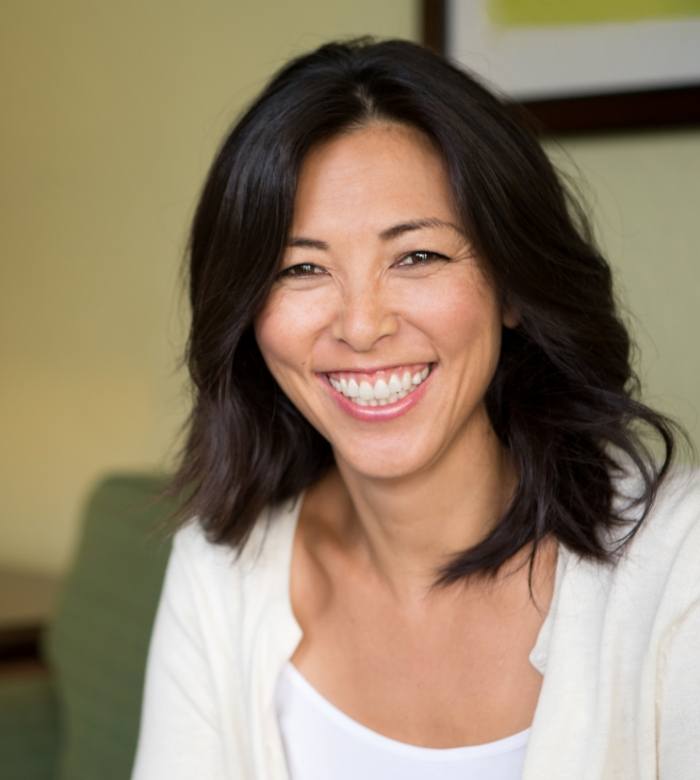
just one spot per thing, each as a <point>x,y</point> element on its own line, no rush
<point>381,391</point>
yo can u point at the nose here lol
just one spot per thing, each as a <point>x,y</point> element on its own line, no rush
<point>363,318</point>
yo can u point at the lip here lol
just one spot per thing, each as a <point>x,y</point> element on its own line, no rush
<point>379,413</point>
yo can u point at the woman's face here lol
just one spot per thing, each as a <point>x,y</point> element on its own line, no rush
<point>378,287</point>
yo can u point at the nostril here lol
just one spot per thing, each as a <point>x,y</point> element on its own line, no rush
<point>362,325</point>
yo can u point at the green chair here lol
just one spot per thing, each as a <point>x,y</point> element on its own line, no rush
<point>80,721</point>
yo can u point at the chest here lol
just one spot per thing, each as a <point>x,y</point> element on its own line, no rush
<point>459,676</point>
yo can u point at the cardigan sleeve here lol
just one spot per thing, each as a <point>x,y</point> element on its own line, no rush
<point>178,737</point>
<point>679,699</point>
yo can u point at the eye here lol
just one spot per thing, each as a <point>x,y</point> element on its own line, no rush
<point>301,269</point>
<point>420,257</point>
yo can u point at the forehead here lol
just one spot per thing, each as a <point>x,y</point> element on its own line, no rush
<point>378,173</point>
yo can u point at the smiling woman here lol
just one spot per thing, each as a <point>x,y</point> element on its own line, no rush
<point>415,424</point>
<point>378,300</point>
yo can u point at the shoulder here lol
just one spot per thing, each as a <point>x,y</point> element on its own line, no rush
<point>655,579</point>
<point>212,567</point>
<point>657,573</point>
<point>669,537</point>
<point>674,532</point>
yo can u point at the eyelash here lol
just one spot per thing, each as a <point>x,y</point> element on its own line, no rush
<point>432,255</point>
<point>424,252</point>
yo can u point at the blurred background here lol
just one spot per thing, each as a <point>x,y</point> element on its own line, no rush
<point>111,113</point>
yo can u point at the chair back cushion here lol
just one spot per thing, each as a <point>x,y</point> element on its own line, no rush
<point>98,641</point>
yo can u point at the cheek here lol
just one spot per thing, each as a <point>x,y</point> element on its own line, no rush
<point>467,328</point>
<point>284,332</point>
<point>462,315</point>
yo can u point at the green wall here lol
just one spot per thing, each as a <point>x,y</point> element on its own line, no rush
<point>644,193</point>
<point>111,114</point>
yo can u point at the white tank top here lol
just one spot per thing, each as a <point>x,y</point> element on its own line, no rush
<point>321,742</point>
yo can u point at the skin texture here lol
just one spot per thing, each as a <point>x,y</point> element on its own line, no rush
<point>364,306</point>
<point>442,668</point>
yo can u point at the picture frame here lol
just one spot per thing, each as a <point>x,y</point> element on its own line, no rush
<point>639,93</point>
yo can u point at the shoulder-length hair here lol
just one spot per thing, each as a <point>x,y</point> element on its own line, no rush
<point>563,398</point>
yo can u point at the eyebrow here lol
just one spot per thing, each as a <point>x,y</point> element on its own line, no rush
<point>388,234</point>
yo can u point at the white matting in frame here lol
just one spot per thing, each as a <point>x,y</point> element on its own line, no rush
<point>539,62</point>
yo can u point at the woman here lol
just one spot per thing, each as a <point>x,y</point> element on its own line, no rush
<point>430,540</point>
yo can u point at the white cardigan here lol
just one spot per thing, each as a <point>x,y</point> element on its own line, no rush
<point>619,651</point>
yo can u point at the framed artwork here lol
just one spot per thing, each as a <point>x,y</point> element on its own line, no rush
<point>581,65</point>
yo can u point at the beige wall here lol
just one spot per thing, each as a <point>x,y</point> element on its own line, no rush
<point>111,114</point>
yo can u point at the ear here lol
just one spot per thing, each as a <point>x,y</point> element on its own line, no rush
<point>510,316</point>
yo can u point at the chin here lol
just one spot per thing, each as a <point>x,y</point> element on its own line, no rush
<point>381,465</point>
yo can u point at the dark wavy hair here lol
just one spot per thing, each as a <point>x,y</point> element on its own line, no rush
<point>564,396</point>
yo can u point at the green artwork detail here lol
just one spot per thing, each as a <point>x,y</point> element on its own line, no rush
<point>542,13</point>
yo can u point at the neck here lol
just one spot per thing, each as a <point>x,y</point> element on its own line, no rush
<point>403,529</point>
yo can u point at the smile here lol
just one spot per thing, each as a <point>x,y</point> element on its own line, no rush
<point>381,387</point>
<point>382,395</point>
